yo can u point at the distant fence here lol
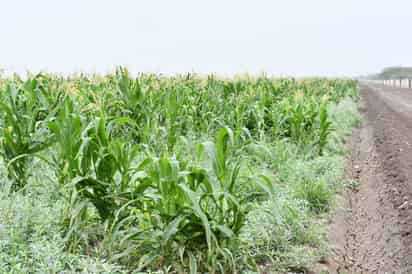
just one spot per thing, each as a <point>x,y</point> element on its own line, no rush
<point>398,83</point>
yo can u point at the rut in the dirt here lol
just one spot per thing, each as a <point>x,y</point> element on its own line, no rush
<point>371,232</point>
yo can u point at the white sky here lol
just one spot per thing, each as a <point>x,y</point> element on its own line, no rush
<point>301,38</point>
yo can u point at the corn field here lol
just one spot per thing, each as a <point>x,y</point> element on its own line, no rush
<point>161,173</point>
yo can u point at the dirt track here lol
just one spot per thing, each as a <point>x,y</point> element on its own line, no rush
<point>372,230</point>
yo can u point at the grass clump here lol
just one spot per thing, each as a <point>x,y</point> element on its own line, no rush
<point>31,240</point>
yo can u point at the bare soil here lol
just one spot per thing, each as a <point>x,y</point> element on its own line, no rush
<point>371,231</point>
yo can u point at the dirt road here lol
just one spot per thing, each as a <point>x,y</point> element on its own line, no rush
<point>372,230</point>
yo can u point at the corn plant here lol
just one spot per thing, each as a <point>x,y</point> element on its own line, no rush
<point>324,127</point>
<point>25,109</point>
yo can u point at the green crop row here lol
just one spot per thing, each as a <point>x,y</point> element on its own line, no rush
<point>163,173</point>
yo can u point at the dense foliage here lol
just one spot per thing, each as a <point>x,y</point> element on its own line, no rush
<point>167,173</point>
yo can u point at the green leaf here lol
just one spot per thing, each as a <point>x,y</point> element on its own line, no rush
<point>171,229</point>
<point>193,264</point>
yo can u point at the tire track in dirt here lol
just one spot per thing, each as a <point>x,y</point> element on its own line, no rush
<point>371,230</point>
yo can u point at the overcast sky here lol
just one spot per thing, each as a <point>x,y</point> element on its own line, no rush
<point>301,38</point>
